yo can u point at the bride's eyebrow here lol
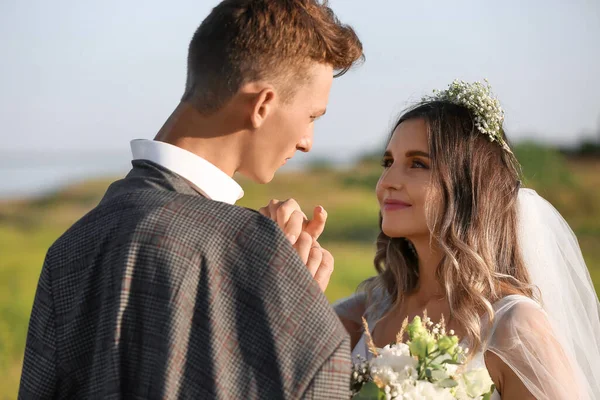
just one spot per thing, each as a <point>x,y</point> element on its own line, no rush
<point>387,154</point>
<point>417,153</point>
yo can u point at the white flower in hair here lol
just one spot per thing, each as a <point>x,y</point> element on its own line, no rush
<point>478,98</point>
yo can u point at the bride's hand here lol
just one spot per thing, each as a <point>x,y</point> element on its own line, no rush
<point>320,262</point>
<point>293,221</point>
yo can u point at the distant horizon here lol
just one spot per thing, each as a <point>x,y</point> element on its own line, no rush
<point>24,178</point>
<point>15,153</point>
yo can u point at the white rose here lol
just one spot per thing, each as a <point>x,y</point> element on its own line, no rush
<point>397,358</point>
<point>425,390</point>
<point>452,369</point>
<point>385,375</point>
<point>475,383</point>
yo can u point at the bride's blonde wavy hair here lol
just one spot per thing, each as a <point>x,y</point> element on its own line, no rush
<point>471,212</point>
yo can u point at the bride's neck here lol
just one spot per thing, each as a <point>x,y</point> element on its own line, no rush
<point>428,288</point>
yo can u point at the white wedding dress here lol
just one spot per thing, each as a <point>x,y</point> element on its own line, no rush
<point>552,347</point>
<point>508,311</point>
<point>520,335</point>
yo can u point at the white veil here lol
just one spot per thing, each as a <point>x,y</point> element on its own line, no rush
<point>555,349</point>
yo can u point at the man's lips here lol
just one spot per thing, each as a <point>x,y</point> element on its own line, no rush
<point>393,205</point>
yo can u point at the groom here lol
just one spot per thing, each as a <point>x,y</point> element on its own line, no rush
<point>168,290</point>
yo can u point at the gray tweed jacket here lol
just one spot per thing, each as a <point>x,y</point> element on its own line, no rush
<point>160,293</point>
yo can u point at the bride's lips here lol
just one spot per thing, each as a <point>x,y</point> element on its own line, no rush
<point>394,205</point>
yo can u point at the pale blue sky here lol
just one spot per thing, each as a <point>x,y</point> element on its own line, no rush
<point>93,75</point>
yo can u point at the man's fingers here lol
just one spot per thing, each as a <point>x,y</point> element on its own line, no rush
<point>316,226</point>
<point>325,270</point>
<point>303,245</point>
<point>294,226</point>
<point>272,209</point>
<point>285,210</point>
<point>315,257</point>
<point>287,216</point>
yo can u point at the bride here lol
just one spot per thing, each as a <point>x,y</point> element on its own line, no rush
<point>461,239</point>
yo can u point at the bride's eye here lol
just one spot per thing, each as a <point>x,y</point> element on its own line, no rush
<point>387,162</point>
<point>418,164</point>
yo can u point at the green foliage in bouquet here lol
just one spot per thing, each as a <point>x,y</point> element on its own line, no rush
<point>429,365</point>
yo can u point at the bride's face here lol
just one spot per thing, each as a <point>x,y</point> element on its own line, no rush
<point>405,181</point>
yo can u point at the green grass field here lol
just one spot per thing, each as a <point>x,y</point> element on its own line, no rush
<point>28,228</point>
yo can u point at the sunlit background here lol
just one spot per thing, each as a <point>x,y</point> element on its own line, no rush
<point>78,81</point>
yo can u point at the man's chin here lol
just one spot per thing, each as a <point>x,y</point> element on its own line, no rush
<point>258,177</point>
<point>265,179</point>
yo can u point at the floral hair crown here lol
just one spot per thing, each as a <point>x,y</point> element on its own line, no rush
<point>478,98</point>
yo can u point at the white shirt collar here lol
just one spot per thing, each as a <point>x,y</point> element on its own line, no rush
<point>210,180</point>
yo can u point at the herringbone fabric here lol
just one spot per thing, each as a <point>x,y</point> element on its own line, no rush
<point>160,293</point>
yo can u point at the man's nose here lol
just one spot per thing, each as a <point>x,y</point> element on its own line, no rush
<point>305,145</point>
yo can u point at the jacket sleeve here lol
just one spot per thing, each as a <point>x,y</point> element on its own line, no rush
<point>39,377</point>
<point>332,381</point>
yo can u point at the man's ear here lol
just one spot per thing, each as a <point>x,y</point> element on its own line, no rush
<point>262,105</point>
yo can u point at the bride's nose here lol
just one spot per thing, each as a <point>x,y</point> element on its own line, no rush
<point>391,179</point>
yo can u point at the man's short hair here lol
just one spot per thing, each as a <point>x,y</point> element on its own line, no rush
<point>244,41</point>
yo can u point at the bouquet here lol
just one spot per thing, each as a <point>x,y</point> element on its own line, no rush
<point>430,365</point>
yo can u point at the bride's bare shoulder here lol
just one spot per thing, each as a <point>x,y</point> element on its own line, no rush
<point>517,312</point>
<point>505,379</point>
<point>522,339</point>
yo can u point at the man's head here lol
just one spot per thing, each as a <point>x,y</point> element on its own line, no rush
<point>272,62</point>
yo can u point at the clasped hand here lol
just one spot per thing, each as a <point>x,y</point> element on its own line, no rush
<point>303,234</point>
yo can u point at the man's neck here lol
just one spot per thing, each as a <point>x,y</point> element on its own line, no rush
<point>214,138</point>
